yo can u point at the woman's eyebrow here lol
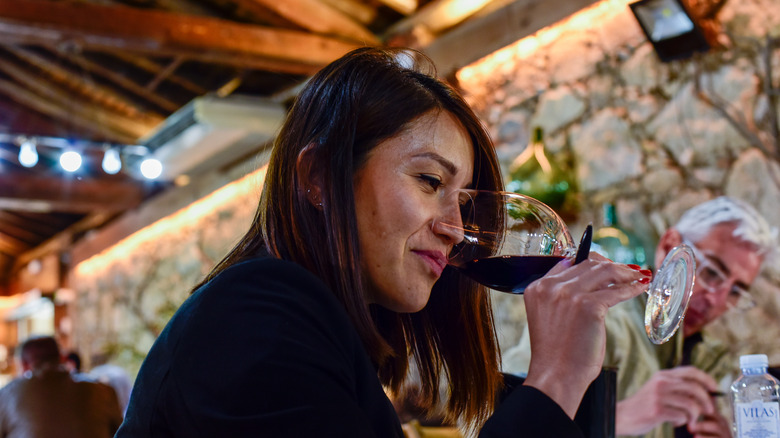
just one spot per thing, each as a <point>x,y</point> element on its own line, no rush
<point>448,165</point>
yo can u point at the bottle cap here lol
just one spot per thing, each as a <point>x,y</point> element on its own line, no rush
<point>753,361</point>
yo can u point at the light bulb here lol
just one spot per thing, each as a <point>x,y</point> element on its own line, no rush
<point>151,168</point>
<point>111,161</point>
<point>70,161</point>
<point>28,156</point>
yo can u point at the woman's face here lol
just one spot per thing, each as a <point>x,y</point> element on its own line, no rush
<point>405,184</point>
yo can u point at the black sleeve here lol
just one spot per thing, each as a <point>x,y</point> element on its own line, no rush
<point>528,413</point>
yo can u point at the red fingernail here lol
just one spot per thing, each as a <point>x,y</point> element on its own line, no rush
<point>646,272</point>
<point>644,280</point>
<point>634,267</point>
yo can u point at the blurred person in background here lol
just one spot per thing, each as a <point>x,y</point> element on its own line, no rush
<point>73,362</point>
<point>115,377</point>
<point>46,401</point>
<point>664,391</point>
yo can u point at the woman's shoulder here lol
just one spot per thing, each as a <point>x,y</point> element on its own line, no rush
<point>256,309</point>
<point>267,280</point>
<point>267,300</point>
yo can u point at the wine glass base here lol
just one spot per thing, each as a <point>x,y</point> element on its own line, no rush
<point>669,294</point>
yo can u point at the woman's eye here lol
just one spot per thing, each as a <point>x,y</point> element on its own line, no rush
<point>432,181</point>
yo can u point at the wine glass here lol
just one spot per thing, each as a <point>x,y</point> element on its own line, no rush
<point>510,240</point>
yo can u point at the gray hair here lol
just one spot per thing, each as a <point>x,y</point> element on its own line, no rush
<point>751,227</point>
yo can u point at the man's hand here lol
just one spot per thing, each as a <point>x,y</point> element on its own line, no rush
<point>679,396</point>
<point>711,426</point>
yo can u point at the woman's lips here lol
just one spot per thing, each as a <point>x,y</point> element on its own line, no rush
<point>434,259</point>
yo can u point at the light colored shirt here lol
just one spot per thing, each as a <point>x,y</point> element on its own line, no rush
<point>635,356</point>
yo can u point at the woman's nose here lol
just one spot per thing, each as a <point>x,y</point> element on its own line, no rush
<point>453,232</point>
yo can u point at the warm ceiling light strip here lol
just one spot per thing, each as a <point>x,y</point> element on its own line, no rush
<point>246,187</point>
<point>526,47</point>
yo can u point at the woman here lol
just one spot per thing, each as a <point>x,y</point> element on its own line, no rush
<point>342,278</point>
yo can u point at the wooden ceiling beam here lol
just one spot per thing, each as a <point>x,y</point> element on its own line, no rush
<point>165,73</point>
<point>42,224</point>
<point>95,117</point>
<point>356,10</point>
<point>405,7</point>
<point>255,13</point>
<point>10,245</point>
<point>41,193</point>
<point>18,119</point>
<point>317,17</point>
<point>63,241</point>
<point>154,68</point>
<point>42,105</point>
<point>85,86</point>
<point>501,27</point>
<point>183,7</point>
<point>111,28</point>
<point>28,221</point>
<point>124,82</point>
<point>22,231</point>
<point>439,15</point>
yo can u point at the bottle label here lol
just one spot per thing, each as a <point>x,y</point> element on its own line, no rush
<point>758,420</point>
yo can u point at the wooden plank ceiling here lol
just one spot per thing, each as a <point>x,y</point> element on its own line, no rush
<point>109,71</point>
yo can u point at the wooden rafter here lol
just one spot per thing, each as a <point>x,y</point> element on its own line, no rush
<point>35,222</point>
<point>164,73</point>
<point>154,68</point>
<point>12,245</point>
<point>70,109</point>
<point>256,13</point>
<point>85,86</point>
<point>317,17</point>
<point>124,82</point>
<point>161,33</point>
<point>19,227</point>
<point>23,228</point>
<point>439,15</point>
<point>405,7</point>
<point>26,122</point>
<point>64,240</point>
<point>502,26</point>
<point>48,108</point>
<point>35,192</point>
<point>356,10</point>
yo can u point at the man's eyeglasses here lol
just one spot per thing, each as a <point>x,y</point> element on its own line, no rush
<point>713,279</point>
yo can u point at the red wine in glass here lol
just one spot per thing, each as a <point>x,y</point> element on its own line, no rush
<point>506,241</point>
<point>510,274</point>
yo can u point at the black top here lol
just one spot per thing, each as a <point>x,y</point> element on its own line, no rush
<point>265,349</point>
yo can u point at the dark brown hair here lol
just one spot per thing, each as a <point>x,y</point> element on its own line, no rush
<point>346,110</point>
<point>40,350</point>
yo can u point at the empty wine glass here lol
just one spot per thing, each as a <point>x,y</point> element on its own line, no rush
<point>510,240</point>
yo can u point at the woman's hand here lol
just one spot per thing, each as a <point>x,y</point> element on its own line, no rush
<point>566,310</point>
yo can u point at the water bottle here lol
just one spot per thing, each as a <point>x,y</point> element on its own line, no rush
<point>755,399</point>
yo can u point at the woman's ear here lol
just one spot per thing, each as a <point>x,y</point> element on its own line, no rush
<point>309,175</point>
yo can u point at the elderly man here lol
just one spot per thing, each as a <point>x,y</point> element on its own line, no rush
<point>46,401</point>
<point>661,387</point>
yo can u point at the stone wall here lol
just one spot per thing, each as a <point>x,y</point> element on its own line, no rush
<point>126,294</point>
<point>638,135</point>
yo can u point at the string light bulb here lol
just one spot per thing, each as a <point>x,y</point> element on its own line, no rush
<point>151,168</point>
<point>70,161</point>
<point>28,155</point>
<point>111,164</point>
